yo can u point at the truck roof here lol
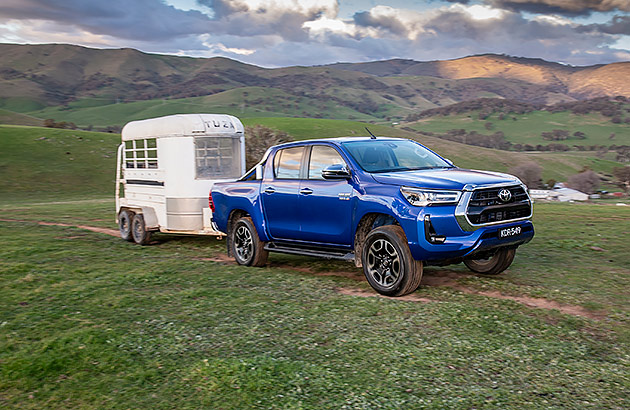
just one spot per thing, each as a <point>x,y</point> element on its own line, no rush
<point>183,125</point>
<point>338,140</point>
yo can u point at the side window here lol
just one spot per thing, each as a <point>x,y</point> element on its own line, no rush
<point>141,153</point>
<point>287,163</point>
<point>322,156</point>
<point>217,157</point>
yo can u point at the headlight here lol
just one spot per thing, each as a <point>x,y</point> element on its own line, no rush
<point>425,197</point>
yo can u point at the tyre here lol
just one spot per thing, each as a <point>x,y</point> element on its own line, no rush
<point>247,247</point>
<point>124,224</point>
<point>139,230</point>
<point>387,262</point>
<point>493,264</point>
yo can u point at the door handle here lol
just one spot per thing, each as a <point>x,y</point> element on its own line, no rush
<point>306,191</point>
<point>270,190</point>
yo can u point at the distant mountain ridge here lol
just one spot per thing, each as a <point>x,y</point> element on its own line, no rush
<point>36,76</point>
<point>578,82</point>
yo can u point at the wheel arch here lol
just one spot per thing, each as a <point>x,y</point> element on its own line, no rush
<point>368,222</point>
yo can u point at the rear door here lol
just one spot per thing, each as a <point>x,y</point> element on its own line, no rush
<point>280,192</point>
<point>325,206</point>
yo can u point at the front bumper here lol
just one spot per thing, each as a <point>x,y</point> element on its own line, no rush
<point>462,243</point>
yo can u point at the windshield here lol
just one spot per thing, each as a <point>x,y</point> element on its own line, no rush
<point>391,156</point>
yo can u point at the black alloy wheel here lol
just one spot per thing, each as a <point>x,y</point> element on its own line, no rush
<point>247,247</point>
<point>387,262</point>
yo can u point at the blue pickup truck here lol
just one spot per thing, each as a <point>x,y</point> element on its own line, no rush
<point>389,205</point>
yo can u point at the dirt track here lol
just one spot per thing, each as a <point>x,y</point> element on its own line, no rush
<point>439,278</point>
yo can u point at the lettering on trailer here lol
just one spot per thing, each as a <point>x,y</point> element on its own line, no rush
<point>220,124</point>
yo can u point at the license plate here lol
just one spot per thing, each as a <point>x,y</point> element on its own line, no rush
<point>508,232</point>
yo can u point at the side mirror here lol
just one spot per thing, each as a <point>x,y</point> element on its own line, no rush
<point>336,171</point>
<point>259,171</point>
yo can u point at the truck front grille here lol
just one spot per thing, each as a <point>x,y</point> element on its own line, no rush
<point>487,206</point>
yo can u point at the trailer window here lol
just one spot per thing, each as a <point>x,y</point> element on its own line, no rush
<point>141,153</point>
<point>217,157</point>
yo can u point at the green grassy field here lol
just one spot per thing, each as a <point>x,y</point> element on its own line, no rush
<point>243,102</point>
<point>90,321</point>
<point>43,163</point>
<point>527,128</point>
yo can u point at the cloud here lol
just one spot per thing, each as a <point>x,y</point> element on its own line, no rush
<point>137,19</point>
<point>618,25</point>
<point>565,7</point>
<point>302,32</point>
<point>264,17</point>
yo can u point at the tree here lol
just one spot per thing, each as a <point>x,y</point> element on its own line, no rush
<point>586,181</point>
<point>623,177</point>
<point>530,173</point>
<point>258,139</point>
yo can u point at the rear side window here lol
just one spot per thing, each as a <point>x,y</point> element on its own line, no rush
<point>322,156</point>
<point>287,163</point>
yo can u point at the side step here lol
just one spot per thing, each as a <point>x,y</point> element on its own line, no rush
<point>327,253</point>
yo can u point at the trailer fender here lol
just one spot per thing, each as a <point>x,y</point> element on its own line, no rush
<point>150,218</point>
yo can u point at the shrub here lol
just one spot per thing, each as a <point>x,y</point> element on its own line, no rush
<point>530,173</point>
<point>586,181</point>
<point>258,139</point>
<point>623,177</point>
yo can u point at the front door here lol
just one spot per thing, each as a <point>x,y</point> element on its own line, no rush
<point>325,206</point>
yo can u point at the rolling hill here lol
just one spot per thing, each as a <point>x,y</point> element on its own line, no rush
<point>583,125</point>
<point>34,78</point>
<point>43,163</point>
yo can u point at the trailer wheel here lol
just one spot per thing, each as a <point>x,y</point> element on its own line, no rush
<point>247,247</point>
<point>387,262</point>
<point>124,224</point>
<point>139,230</point>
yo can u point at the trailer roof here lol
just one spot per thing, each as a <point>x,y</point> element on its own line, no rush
<point>183,125</point>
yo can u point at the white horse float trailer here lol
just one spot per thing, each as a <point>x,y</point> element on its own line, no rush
<point>165,169</point>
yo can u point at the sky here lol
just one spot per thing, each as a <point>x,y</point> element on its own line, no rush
<point>277,33</point>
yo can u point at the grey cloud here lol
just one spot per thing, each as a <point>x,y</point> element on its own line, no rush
<point>564,7</point>
<point>366,19</point>
<point>138,19</point>
<point>452,33</point>
<point>618,25</point>
<point>236,18</point>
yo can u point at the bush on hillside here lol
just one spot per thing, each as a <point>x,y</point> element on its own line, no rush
<point>530,173</point>
<point>623,177</point>
<point>258,139</point>
<point>586,181</point>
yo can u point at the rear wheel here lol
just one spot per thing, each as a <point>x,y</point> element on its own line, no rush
<point>124,224</point>
<point>139,230</point>
<point>387,262</point>
<point>247,247</point>
<point>492,264</point>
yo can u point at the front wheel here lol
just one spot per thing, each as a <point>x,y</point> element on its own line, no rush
<point>492,264</point>
<point>247,248</point>
<point>387,262</point>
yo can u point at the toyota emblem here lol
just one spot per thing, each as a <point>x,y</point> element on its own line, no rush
<point>505,195</point>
